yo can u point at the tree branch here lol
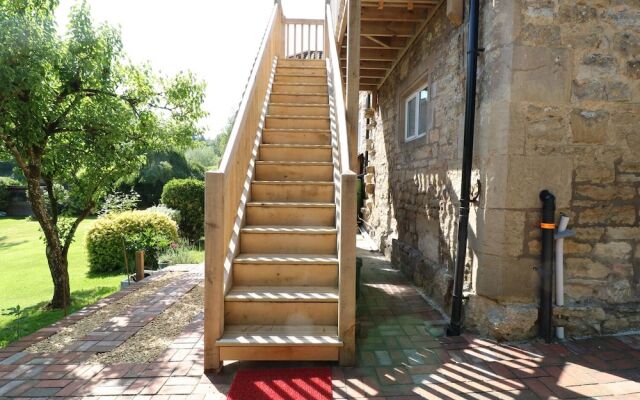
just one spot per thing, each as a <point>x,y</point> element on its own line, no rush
<point>53,201</point>
<point>69,237</point>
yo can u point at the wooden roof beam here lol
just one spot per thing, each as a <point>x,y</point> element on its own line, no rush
<point>400,3</point>
<point>394,14</point>
<point>393,29</point>
<point>370,73</point>
<point>383,65</point>
<point>376,54</point>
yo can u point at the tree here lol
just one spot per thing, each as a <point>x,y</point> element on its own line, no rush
<point>159,168</point>
<point>75,112</point>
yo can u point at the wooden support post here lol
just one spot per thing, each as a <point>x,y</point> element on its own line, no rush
<point>347,276</point>
<point>214,268</point>
<point>139,265</point>
<point>455,11</point>
<point>353,79</point>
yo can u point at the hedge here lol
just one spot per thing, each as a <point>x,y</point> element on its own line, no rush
<point>4,192</point>
<point>187,196</point>
<point>135,230</point>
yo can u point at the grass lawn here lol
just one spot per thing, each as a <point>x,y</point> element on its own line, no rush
<point>25,278</point>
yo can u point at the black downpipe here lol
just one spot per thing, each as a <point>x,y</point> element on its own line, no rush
<point>547,226</point>
<point>455,327</point>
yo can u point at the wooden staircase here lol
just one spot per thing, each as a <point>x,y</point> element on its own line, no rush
<point>283,301</point>
<point>280,215</point>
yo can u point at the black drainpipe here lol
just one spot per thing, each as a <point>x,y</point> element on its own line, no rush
<point>455,327</point>
<point>547,227</point>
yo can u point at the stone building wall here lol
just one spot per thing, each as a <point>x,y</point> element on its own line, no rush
<point>558,109</point>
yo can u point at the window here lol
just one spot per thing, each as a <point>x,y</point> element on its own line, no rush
<point>416,115</point>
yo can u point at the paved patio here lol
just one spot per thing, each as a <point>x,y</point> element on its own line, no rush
<point>402,354</point>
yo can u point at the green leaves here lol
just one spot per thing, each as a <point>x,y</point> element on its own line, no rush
<point>76,113</point>
<point>77,107</point>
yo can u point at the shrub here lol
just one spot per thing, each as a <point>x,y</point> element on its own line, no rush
<point>118,202</point>
<point>4,192</point>
<point>135,230</point>
<point>164,210</point>
<point>181,253</point>
<point>187,196</point>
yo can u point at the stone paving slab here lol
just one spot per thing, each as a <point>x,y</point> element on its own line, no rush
<point>402,354</point>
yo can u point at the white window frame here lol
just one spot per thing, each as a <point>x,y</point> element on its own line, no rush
<point>414,96</point>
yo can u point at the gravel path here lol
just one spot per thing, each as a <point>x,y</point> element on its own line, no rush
<point>86,325</point>
<point>146,345</point>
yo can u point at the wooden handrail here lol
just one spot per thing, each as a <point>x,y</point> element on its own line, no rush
<point>333,70</point>
<point>345,198</point>
<point>226,189</point>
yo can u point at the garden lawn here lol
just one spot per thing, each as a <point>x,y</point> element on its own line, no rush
<point>25,279</point>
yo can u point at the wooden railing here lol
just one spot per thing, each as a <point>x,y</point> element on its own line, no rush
<point>304,38</point>
<point>227,189</point>
<point>345,198</point>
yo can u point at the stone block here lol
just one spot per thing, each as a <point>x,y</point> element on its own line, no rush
<point>507,278</point>
<point>589,126</point>
<point>503,321</point>
<point>541,74</point>
<point>612,251</point>
<point>623,233</point>
<point>585,268</point>
<point>605,192</point>
<point>518,180</point>
<point>595,172</point>
<point>608,213</point>
<point>545,125</point>
<point>500,232</point>
<point>540,35</point>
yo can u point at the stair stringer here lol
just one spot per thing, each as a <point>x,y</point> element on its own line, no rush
<point>233,247</point>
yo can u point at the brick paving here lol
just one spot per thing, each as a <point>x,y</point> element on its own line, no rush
<point>402,354</point>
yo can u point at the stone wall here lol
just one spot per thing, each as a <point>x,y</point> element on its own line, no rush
<point>558,109</point>
<point>586,113</point>
<point>411,213</point>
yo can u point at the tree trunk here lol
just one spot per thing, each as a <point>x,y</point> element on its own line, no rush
<point>59,268</point>
<point>56,256</point>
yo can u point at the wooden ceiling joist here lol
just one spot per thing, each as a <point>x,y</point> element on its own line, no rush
<point>369,73</point>
<point>399,3</point>
<point>375,54</point>
<point>383,65</point>
<point>393,14</point>
<point>394,29</point>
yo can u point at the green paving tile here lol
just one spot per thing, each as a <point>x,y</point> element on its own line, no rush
<point>383,357</point>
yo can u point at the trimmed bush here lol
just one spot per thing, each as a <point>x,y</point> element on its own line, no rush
<point>187,196</point>
<point>136,230</point>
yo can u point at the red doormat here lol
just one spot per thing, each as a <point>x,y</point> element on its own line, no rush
<point>282,384</point>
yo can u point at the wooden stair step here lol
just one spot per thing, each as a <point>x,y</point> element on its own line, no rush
<point>285,204</point>
<point>288,239</point>
<point>303,230</point>
<point>278,190</point>
<point>297,163</point>
<point>294,146</point>
<point>295,97</point>
<point>285,270</point>
<point>296,136</point>
<point>286,294</point>
<point>291,213</point>
<point>278,335</point>
<point>286,259</point>
<point>294,170</point>
<point>299,109</point>
<point>297,122</point>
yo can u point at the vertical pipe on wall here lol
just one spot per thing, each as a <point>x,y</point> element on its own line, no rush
<point>547,226</point>
<point>455,326</point>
